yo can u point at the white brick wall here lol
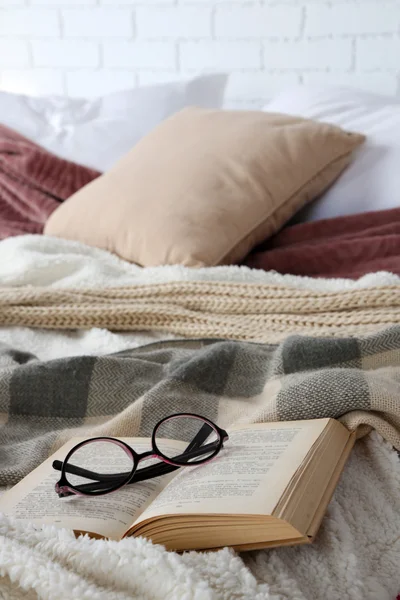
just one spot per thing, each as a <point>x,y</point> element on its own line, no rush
<point>89,47</point>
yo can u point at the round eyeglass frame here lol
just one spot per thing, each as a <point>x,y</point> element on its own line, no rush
<point>64,488</point>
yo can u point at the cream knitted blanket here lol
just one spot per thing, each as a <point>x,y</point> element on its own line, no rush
<point>207,309</point>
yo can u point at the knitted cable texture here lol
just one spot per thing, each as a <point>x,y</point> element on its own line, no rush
<point>243,311</point>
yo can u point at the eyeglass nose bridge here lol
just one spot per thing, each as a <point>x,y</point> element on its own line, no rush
<point>139,457</point>
<point>144,455</point>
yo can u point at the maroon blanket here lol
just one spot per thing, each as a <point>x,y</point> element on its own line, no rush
<point>347,247</point>
<point>32,183</point>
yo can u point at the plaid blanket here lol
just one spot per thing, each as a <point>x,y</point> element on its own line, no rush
<point>42,404</point>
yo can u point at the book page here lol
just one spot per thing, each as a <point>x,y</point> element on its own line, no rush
<point>247,477</point>
<point>34,498</point>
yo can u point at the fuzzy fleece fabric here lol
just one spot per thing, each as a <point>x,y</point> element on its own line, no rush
<point>356,555</point>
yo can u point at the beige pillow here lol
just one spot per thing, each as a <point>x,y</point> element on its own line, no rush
<point>205,186</point>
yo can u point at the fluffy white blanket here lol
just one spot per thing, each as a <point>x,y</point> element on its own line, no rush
<point>357,552</point>
<point>355,557</point>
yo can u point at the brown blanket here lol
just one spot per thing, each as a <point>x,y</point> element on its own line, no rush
<point>32,183</point>
<point>347,247</point>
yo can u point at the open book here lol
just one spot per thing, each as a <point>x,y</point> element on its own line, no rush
<point>269,486</point>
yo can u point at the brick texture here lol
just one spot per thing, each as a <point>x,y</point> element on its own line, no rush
<point>90,47</point>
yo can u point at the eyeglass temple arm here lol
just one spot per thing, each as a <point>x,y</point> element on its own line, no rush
<point>191,451</point>
<point>140,475</point>
<point>200,437</point>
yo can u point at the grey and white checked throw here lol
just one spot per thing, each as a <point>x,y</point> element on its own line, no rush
<point>43,404</point>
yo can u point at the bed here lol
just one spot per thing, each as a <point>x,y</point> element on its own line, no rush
<point>64,304</point>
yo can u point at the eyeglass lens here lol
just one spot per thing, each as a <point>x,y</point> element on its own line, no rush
<point>102,457</point>
<point>200,436</point>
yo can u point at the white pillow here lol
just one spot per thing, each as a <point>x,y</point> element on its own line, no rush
<point>97,132</point>
<point>372,181</point>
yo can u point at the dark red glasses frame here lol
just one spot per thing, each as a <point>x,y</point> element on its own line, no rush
<point>108,483</point>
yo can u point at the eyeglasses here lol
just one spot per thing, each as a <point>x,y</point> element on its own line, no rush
<point>120,462</point>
